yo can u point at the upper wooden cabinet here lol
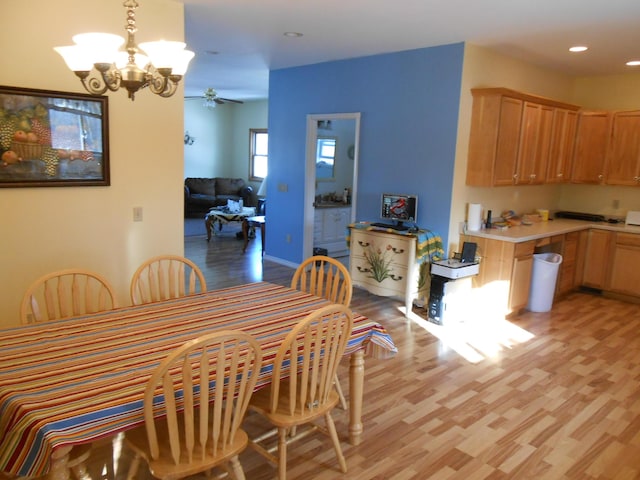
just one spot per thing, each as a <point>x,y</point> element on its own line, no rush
<point>592,141</point>
<point>511,137</point>
<point>563,139</point>
<point>623,164</point>
<point>535,140</point>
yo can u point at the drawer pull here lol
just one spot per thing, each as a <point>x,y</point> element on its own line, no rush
<point>363,269</point>
<point>363,244</point>
<point>397,250</point>
<point>397,278</point>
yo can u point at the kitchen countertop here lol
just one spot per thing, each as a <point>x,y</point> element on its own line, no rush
<point>558,226</point>
<point>331,205</point>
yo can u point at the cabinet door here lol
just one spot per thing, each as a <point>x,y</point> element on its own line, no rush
<point>520,282</point>
<point>591,147</point>
<point>625,267</point>
<point>535,140</point>
<point>623,166</point>
<point>597,257</point>
<point>493,139</point>
<point>522,265</point>
<point>508,141</point>
<point>567,274</point>
<point>563,135</point>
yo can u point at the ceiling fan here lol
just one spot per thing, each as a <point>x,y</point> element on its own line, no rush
<point>210,98</point>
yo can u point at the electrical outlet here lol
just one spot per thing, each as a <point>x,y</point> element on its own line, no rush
<point>616,204</point>
<point>288,238</point>
<point>283,187</point>
<point>137,214</point>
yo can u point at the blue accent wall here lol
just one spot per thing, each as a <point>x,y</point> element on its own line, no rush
<point>409,103</point>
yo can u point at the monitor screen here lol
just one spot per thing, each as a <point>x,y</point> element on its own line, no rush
<point>399,207</point>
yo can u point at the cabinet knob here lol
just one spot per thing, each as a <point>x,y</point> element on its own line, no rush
<point>560,175</point>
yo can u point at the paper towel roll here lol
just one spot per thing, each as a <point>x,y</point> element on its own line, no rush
<point>474,219</point>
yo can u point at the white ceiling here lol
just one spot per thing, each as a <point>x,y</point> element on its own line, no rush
<point>248,35</point>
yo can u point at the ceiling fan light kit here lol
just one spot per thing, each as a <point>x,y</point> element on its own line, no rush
<point>161,69</point>
<point>211,99</point>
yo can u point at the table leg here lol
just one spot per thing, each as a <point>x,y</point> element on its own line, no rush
<point>356,390</point>
<point>208,223</point>
<point>245,234</point>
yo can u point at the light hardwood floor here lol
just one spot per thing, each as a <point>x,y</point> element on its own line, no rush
<point>546,396</point>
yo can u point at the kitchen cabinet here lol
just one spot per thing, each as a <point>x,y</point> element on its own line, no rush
<point>510,138</point>
<point>563,135</point>
<point>535,141</point>
<point>596,258</point>
<point>592,141</point>
<point>623,167</point>
<point>494,138</point>
<point>567,279</point>
<point>384,264</point>
<point>505,269</point>
<point>522,266</point>
<point>329,229</point>
<point>625,274</point>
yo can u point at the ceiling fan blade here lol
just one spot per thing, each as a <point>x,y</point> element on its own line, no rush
<point>230,100</point>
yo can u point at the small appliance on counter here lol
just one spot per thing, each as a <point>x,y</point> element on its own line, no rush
<point>633,218</point>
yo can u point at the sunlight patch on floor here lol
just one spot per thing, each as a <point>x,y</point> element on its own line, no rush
<point>478,329</point>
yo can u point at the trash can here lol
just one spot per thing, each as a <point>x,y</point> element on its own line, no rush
<point>543,281</point>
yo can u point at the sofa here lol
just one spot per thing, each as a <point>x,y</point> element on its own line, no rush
<point>201,194</point>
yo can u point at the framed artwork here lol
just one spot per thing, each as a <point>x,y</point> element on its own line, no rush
<point>53,139</point>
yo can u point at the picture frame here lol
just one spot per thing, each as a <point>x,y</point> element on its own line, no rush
<point>53,139</point>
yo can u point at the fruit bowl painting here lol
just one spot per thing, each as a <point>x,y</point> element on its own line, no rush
<point>53,139</point>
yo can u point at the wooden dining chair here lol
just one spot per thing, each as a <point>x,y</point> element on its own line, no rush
<point>66,293</point>
<point>164,277</point>
<point>314,346</point>
<point>328,278</point>
<point>62,294</point>
<point>194,404</point>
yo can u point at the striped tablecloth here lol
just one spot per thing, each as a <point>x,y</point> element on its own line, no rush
<point>73,381</point>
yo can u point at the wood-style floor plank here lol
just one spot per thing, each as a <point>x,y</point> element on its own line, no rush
<point>545,396</point>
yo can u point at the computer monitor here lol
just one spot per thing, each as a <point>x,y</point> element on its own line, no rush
<point>399,208</point>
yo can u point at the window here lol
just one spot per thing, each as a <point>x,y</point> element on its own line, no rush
<point>258,153</point>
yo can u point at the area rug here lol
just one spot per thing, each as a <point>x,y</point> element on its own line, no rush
<point>194,226</point>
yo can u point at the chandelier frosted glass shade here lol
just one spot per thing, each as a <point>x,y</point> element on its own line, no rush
<point>158,66</point>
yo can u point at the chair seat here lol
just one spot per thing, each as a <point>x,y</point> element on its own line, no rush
<point>260,402</point>
<point>165,468</point>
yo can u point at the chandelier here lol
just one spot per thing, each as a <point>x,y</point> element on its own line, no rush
<point>161,69</point>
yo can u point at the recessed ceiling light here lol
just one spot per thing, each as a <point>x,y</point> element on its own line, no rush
<point>578,48</point>
<point>292,34</point>
<point>633,63</point>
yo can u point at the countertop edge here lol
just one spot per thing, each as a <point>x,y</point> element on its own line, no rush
<point>525,233</point>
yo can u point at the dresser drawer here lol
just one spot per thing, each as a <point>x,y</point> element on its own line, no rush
<point>393,282</point>
<point>393,248</point>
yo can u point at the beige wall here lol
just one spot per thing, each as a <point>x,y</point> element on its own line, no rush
<point>45,229</point>
<point>484,68</point>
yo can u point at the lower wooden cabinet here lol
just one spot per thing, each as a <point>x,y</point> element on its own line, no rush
<point>596,257</point>
<point>625,264</point>
<point>567,277</point>
<point>505,264</point>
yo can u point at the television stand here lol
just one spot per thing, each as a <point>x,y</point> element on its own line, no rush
<point>394,226</point>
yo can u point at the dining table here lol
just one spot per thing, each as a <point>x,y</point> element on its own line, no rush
<point>77,380</point>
